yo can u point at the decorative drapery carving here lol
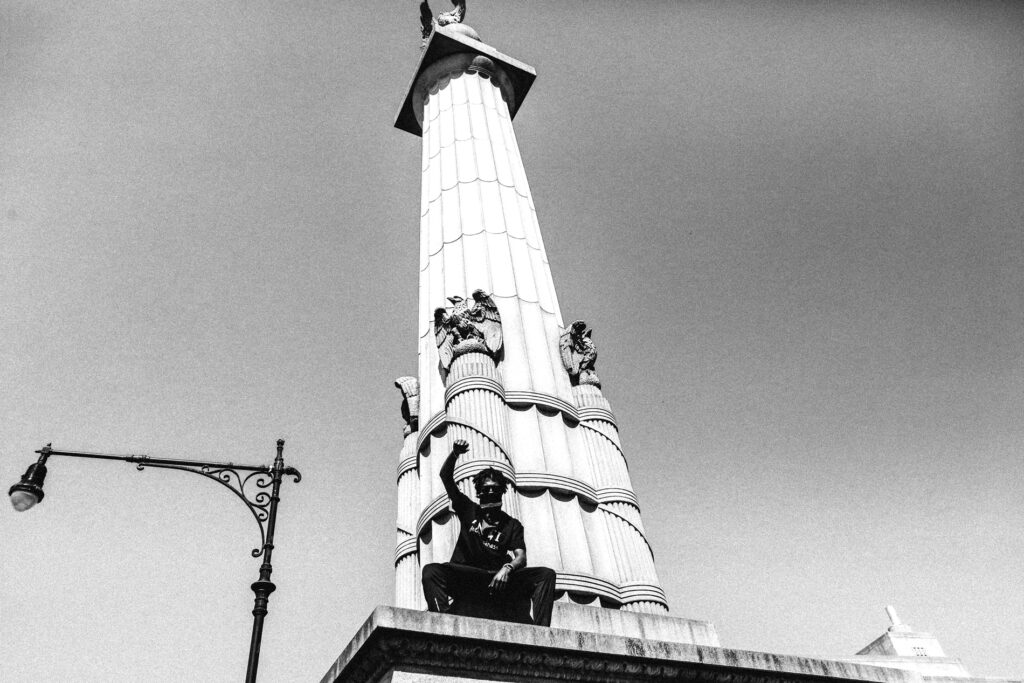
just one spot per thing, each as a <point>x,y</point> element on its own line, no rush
<point>579,354</point>
<point>410,388</point>
<point>465,327</point>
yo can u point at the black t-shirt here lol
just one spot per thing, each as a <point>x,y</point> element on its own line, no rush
<point>483,545</point>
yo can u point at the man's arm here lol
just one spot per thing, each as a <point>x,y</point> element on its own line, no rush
<point>458,498</point>
<point>517,562</point>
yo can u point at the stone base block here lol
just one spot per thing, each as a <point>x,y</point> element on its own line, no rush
<point>405,646</point>
<point>614,622</point>
<point>932,667</point>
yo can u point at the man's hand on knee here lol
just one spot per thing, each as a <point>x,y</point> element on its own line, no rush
<point>500,580</point>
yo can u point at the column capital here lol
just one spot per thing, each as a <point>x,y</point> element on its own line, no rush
<point>516,77</point>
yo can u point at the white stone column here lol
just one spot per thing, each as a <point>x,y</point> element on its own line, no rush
<point>479,230</point>
<point>478,227</point>
<point>634,562</point>
<point>408,592</point>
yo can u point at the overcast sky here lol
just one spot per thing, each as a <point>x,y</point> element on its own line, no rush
<point>795,228</point>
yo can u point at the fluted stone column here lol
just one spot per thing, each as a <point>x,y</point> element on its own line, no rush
<point>634,566</point>
<point>517,408</point>
<point>475,412</point>
<point>407,567</point>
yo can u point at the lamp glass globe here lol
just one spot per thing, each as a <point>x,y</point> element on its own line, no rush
<point>23,500</point>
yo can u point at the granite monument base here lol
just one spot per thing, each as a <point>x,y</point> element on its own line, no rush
<point>405,646</point>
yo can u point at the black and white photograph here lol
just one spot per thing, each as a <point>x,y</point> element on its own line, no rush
<point>451,341</point>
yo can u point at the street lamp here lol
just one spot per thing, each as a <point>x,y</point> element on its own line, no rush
<point>29,490</point>
<point>250,488</point>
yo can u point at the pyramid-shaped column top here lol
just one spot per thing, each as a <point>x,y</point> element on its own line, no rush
<point>452,49</point>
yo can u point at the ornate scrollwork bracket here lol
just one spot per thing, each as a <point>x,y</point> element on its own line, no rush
<point>248,482</point>
<point>251,488</point>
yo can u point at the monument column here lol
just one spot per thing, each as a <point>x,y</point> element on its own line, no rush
<point>513,400</point>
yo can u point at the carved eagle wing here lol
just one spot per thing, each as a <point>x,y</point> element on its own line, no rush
<point>443,337</point>
<point>565,350</point>
<point>426,19</point>
<point>487,318</point>
<point>588,357</point>
<point>410,388</point>
<point>577,350</point>
<point>458,15</point>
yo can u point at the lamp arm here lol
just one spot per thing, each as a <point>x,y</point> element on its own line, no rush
<point>250,489</point>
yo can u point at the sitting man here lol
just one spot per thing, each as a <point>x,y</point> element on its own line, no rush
<point>488,566</point>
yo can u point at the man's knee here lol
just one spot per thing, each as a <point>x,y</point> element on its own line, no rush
<point>432,572</point>
<point>535,578</point>
<point>546,575</point>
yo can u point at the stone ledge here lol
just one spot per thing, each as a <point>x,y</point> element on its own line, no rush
<point>444,648</point>
<point>929,667</point>
<point>614,622</point>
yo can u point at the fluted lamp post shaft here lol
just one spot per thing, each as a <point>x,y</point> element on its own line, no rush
<point>248,482</point>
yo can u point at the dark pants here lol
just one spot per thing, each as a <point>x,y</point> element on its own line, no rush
<point>468,589</point>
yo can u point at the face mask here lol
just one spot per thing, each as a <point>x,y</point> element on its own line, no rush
<point>490,496</point>
<point>490,500</point>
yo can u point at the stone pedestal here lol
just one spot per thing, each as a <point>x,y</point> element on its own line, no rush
<point>401,646</point>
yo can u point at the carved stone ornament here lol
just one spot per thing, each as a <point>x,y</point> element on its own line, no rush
<point>428,22</point>
<point>410,388</point>
<point>465,327</point>
<point>579,354</point>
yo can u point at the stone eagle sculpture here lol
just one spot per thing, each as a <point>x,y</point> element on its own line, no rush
<point>410,388</point>
<point>455,16</point>
<point>463,327</point>
<point>579,355</point>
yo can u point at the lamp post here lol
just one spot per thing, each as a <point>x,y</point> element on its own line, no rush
<point>250,488</point>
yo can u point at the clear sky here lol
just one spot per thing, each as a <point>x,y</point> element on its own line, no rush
<point>795,228</point>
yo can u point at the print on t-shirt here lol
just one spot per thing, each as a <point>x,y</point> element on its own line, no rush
<point>489,534</point>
